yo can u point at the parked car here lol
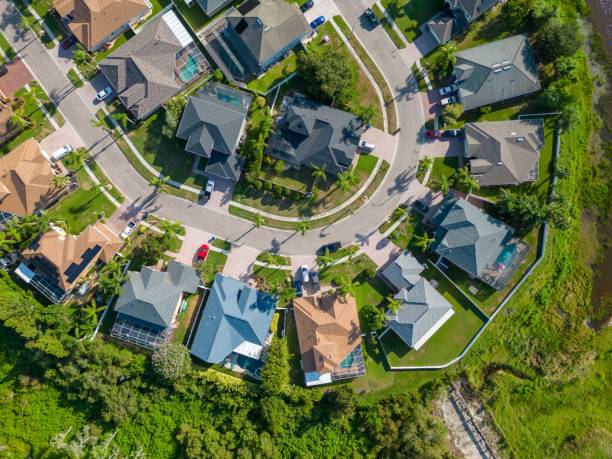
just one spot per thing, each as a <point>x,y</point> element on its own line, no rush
<point>3,70</point>
<point>314,277</point>
<point>420,206</point>
<point>372,17</point>
<point>306,6</point>
<point>128,230</point>
<point>210,186</point>
<point>432,134</point>
<point>304,272</point>
<point>317,22</point>
<point>452,133</point>
<point>366,146</point>
<point>332,247</point>
<point>448,100</point>
<point>446,90</point>
<point>69,41</point>
<point>203,252</point>
<point>297,285</point>
<point>61,152</point>
<point>104,94</point>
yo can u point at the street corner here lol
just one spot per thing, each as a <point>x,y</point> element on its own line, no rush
<point>385,143</point>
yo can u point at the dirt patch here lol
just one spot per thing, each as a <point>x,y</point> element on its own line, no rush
<point>462,443</point>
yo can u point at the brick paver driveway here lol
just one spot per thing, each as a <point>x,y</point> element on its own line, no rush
<point>17,76</point>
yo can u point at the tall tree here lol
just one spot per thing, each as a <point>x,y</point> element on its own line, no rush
<point>303,226</point>
<point>318,173</point>
<point>393,303</point>
<point>346,286</point>
<point>347,179</point>
<point>447,58</point>
<point>422,241</point>
<point>171,361</point>
<point>275,372</point>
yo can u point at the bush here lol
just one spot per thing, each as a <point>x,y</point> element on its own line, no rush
<point>486,109</point>
<point>173,110</point>
<point>451,113</point>
<point>279,166</point>
<point>171,362</point>
<point>268,160</point>
<point>258,185</point>
<point>287,192</point>
<point>278,190</point>
<point>260,101</point>
<point>267,185</point>
<point>558,38</point>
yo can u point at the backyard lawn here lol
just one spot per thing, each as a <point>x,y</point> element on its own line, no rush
<point>276,74</point>
<point>194,15</point>
<point>185,320</point>
<point>449,341</point>
<point>410,14</point>
<point>120,40</point>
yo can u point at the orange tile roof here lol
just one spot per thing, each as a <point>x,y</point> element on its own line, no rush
<point>26,180</point>
<point>328,330</point>
<point>95,19</point>
<point>64,251</point>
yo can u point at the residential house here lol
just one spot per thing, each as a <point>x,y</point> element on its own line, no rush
<point>329,337</point>
<point>210,7</point>
<point>310,134</point>
<point>213,124</point>
<point>26,181</point>
<point>150,301</point>
<point>478,244</point>
<point>97,22</point>
<point>496,72</point>
<point>56,261</point>
<point>403,272</point>
<point>235,323</point>
<point>154,65</point>
<point>504,152</point>
<point>422,312</point>
<point>255,36</point>
<point>457,16</point>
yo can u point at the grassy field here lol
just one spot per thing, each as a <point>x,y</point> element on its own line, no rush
<point>410,14</point>
<point>395,38</point>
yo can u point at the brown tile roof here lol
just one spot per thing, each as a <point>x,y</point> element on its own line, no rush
<point>328,330</point>
<point>95,19</point>
<point>73,255</point>
<point>26,180</point>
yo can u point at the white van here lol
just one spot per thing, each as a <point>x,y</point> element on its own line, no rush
<point>61,152</point>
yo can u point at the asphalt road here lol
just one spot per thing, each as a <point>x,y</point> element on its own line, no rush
<point>141,196</point>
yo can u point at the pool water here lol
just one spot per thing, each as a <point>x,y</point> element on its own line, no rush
<point>248,363</point>
<point>506,257</point>
<point>190,70</point>
<point>228,98</point>
<point>348,361</point>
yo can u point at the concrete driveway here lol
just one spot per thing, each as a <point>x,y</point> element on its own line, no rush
<point>442,148</point>
<point>385,143</point>
<point>431,103</point>
<point>66,135</point>
<point>193,239</point>
<point>221,195</point>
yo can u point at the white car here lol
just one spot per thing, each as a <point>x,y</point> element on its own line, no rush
<point>104,94</point>
<point>128,230</point>
<point>61,152</point>
<point>448,90</point>
<point>210,186</point>
<point>448,100</point>
<point>365,146</point>
<point>304,271</point>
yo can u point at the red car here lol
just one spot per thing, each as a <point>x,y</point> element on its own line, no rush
<point>202,252</point>
<point>433,134</point>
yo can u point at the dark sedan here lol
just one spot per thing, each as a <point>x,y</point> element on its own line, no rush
<point>331,248</point>
<point>452,133</point>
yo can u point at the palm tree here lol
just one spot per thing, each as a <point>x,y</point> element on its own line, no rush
<point>444,184</point>
<point>160,184</point>
<point>61,181</point>
<point>318,173</point>
<point>78,156</point>
<point>259,220</point>
<point>18,119</point>
<point>346,286</point>
<point>351,250</point>
<point>27,22</point>
<point>121,118</point>
<point>471,184</point>
<point>367,114</point>
<point>91,313</point>
<point>303,226</point>
<point>82,57</point>
<point>447,57</point>
<point>422,241</point>
<point>347,179</point>
<point>393,304</point>
<point>98,123</point>
<point>400,212</point>
<point>109,280</point>
<point>37,92</point>
<point>325,259</point>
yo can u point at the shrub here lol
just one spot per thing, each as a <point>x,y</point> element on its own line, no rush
<point>267,185</point>
<point>171,361</point>
<point>278,190</point>
<point>279,166</point>
<point>260,101</point>
<point>258,185</point>
<point>287,192</point>
<point>268,160</point>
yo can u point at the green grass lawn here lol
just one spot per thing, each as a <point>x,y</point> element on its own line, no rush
<point>276,74</point>
<point>442,166</point>
<point>165,155</point>
<point>74,78</point>
<point>393,35</point>
<point>215,261</point>
<point>7,48</point>
<point>410,14</point>
<point>193,15</point>
<point>403,235</point>
<point>221,244</point>
<point>50,18</point>
<point>185,319</point>
<point>83,207</point>
<point>448,342</point>
<point>273,259</point>
<point>120,40</point>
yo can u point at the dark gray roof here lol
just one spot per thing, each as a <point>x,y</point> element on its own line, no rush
<point>212,124</point>
<point>266,26</point>
<point>496,72</point>
<point>504,152</point>
<point>312,134</point>
<point>210,7</point>
<point>403,272</point>
<point>152,296</point>
<point>446,25</point>
<point>473,8</point>
<point>422,308</point>
<point>234,314</point>
<point>468,237</point>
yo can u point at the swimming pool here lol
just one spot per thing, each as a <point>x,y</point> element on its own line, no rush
<point>248,363</point>
<point>507,256</point>
<point>229,98</point>
<point>190,70</point>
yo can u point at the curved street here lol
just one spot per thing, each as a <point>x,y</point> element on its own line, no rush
<point>140,196</point>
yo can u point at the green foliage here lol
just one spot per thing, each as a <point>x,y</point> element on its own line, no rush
<point>19,233</point>
<point>374,316</point>
<point>451,113</point>
<point>173,110</point>
<point>557,38</point>
<point>149,251</point>
<point>171,362</point>
<point>275,372</point>
<point>110,278</point>
<point>279,166</point>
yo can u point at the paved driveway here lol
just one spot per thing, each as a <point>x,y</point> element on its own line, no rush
<point>431,103</point>
<point>193,239</point>
<point>66,135</point>
<point>17,77</point>
<point>442,148</point>
<point>221,195</point>
<point>385,143</point>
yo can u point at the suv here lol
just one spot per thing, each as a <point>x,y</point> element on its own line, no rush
<point>314,277</point>
<point>448,90</point>
<point>372,17</point>
<point>61,152</point>
<point>306,6</point>
<point>332,247</point>
<point>448,100</point>
<point>128,230</point>
<point>210,186</point>
<point>304,273</point>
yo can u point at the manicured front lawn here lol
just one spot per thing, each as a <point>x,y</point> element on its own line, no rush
<point>403,235</point>
<point>410,14</point>
<point>215,261</point>
<point>7,48</point>
<point>276,74</point>
<point>221,244</point>
<point>273,259</point>
<point>442,167</point>
<point>395,38</point>
<point>449,341</point>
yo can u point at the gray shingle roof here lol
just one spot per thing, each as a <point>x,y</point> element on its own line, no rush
<point>468,237</point>
<point>142,71</point>
<point>403,272</point>
<point>152,296</point>
<point>422,308</point>
<point>495,72</point>
<point>212,124</point>
<point>312,134</point>
<point>504,152</point>
<point>234,313</point>
<point>474,8</point>
<point>210,7</point>
<point>447,25</point>
<point>266,26</point>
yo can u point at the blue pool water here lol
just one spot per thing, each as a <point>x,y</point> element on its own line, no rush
<point>506,257</point>
<point>190,70</point>
<point>248,364</point>
<point>228,98</point>
<point>348,361</point>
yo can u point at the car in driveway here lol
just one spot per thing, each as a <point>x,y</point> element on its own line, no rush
<point>430,134</point>
<point>331,248</point>
<point>367,147</point>
<point>304,273</point>
<point>372,17</point>
<point>446,90</point>
<point>210,186</point>
<point>297,286</point>
<point>128,230</point>
<point>103,94</point>
<point>69,41</point>
<point>420,206</point>
<point>317,22</point>
<point>306,6</point>
<point>452,133</point>
<point>61,152</point>
<point>448,100</point>
<point>314,277</point>
<point>203,252</point>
